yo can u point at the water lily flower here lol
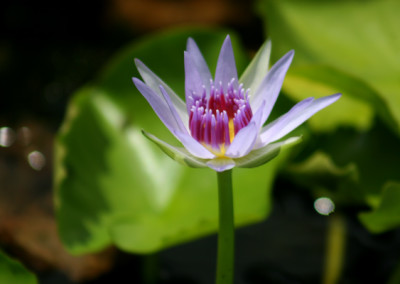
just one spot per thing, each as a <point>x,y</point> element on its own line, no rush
<point>221,124</point>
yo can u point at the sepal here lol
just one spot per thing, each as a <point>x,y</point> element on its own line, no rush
<point>181,155</point>
<point>257,69</point>
<point>264,154</point>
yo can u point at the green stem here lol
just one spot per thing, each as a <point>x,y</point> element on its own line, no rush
<point>335,249</point>
<point>150,268</point>
<point>225,258</point>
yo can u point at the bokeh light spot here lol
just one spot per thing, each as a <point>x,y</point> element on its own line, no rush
<point>324,206</point>
<point>36,160</point>
<point>7,136</point>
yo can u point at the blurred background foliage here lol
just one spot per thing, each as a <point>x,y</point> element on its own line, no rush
<point>123,209</point>
<point>12,271</point>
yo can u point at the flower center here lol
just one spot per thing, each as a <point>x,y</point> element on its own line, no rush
<point>216,118</point>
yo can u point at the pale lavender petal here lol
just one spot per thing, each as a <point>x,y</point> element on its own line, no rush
<point>246,138</point>
<point>294,117</point>
<point>243,142</point>
<point>154,82</point>
<point>270,87</point>
<point>194,85</point>
<point>221,164</point>
<point>193,146</point>
<point>199,62</point>
<point>173,111</point>
<point>258,116</point>
<point>162,109</point>
<point>226,66</point>
<point>159,105</point>
<point>300,106</point>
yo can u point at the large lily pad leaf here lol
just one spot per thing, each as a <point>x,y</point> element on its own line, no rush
<point>116,187</point>
<point>11,271</point>
<point>356,39</point>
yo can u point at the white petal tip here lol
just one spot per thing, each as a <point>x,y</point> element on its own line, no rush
<point>190,42</point>
<point>136,81</point>
<point>140,85</point>
<point>289,55</point>
<point>138,62</point>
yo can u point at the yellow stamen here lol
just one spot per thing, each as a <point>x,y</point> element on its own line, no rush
<point>220,153</point>
<point>231,130</point>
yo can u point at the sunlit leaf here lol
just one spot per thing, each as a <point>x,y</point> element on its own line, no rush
<point>11,271</point>
<point>359,39</point>
<point>114,186</point>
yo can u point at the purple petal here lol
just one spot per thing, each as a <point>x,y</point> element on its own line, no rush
<point>221,164</point>
<point>226,66</point>
<point>154,82</point>
<point>270,87</point>
<point>194,85</point>
<point>193,146</point>
<point>246,138</point>
<point>199,62</point>
<point>294,117</point>
<point>173,111</point>
<point>163,109</point>
<point>257,117</point>
<point>159,105</point>
<point>243,142</point>
<point>296,108</point>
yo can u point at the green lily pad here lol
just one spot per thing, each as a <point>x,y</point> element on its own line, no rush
<point>356,39</point>
<point>12,271</point>
<point>113,186</point>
